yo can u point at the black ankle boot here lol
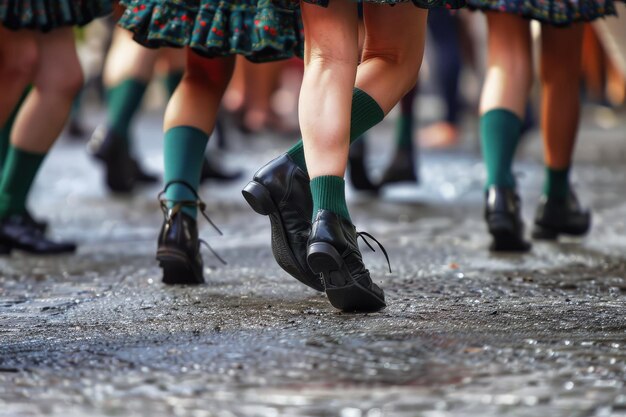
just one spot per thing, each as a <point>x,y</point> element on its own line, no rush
<point>359,177</point>
<point>334,253</point>
<point>504,221</point>
<point>556,217</point>
<point>19,232</point>
<point>281,191</point>
<point>211,170</point>
<point>401,169</point>
<point>178,248</point>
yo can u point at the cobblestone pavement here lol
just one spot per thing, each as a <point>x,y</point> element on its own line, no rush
<point>466,333</point>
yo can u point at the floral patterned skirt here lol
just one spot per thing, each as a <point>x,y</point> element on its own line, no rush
<point>260,30</point>
<point>46,15</point>
<point>554,12</point>
<point>424,4</point>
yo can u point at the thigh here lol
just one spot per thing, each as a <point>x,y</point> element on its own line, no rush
<point>58,63</point>
<point>398,31</point>
<point>331,33</point>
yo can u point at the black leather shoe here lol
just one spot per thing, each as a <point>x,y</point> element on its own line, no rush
<point>40,225</point>
<point>178,247</point>
<point>334,253</point>
<point>281,191</point>
<point>561,217</point>
<point>108,148</point>
<point>401,169</point>
<point>141,175</point>
<point>504,221</point>
<point>211,170</point>
<point>19,232</point>
<point>359,178</point>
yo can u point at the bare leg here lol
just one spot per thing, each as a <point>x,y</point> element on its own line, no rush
<point>560,81</point>
<point>331,58</point>
<point>57,81</point>
<point>19,57</point>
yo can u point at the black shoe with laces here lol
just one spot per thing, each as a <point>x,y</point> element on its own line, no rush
<point>334,253</point>
<point>178,248</point>
<point>211,170</point>
<point>504,220</point>
<point>556,217</point>
<point>281,191</point>
<point>18,232</point>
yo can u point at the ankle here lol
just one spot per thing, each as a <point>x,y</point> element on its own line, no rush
<point>328,192</point>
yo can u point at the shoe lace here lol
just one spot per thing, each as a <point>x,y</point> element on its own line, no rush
<point>363,236</point>
<point>178,205</point>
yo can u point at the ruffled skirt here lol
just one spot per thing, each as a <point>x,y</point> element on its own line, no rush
<point>260,30</point>
<point>554,12</point>
<point>46,15</point>
<point>424,4</point>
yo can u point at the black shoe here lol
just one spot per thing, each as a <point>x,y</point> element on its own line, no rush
<point>334,253</point>
<point>111,150</point>
<point>141,175</point>
<point>281,191</point>
<point>178,247</point>
<point>359,177</point>
<point>401,168</point>
<point>212,171</point>
<point>40,225</point>
<point>19,232</point>
<point>504,221</point>
<point>556,217</point>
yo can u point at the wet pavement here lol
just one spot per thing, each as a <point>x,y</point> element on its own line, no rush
<point>466,333</point>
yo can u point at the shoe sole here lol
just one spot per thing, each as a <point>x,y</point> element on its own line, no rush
<point>343,292</point>
<point>177,268</point>
<point>259,199</point>
<point>547,233</point>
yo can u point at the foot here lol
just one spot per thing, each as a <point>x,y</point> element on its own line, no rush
<point>334,253</point>
<point>211,170</point>
<point>281,191</point>
<point>141,175</point>
<point>504,221</point>
<point>178,247</point>
<point>358,172</point>
<point>401,168</point>
<point>556,217</point>
<point>40,225</point>
<point>439,135</point>
<point>19,232</point>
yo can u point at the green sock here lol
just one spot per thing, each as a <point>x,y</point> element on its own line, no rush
<point>171,81</point>
<point>18,174</point>
<point>123,101</point>
<point>366,113</point>
<point>404,131</point>
<point>556,184</point>
<point>5,132</point>
<point>500,132</point>
<point>183,153</point>
<point>328,193</point>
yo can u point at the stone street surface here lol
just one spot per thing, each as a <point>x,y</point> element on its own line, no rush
<point>466,333</point>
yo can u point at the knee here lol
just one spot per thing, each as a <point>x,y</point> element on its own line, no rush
<point>208,74</point>
<point>63,80</point>
<point>403,64</point>
<point>20,67</point>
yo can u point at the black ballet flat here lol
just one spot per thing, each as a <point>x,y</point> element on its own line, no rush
<point>556,217</point>
<point>504,221</point>
<point>333,252</point>
<point>401,169</point>
<point>18,232</point>
<point>178,247</point>
<point>281,191</point>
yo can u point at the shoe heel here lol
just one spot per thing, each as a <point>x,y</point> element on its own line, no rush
<point>323,258</point>
<point>542,233</point>
<point>176,268</point>
<point>258,198</point>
